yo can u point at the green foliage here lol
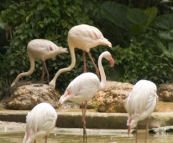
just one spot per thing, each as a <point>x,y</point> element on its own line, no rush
<point>49,19</point>
<point>144,46</point>
<point>144,60</point>
<point>164,23</point>
<point>143,35</point>
<point>116,13</point>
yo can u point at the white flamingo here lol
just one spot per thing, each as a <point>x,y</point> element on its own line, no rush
<point>41,49</point>
<point>40,122</point>
<point>83,37</point>
<point>140,103</point>
<point>85,86</point>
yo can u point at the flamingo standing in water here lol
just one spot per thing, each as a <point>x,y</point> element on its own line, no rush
<point>140,103</point>
<point>40,122</point>
<point>85,86</point>
<point>83,37</point>
<point>40,49</point>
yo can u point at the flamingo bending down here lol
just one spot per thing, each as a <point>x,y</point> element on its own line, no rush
<point>140,103</point>
<point>40,122</point>
<point>85,86</point>
<point>83,37</point>
<point>40,49</point>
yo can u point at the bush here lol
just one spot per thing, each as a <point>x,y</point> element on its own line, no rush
<point>50,19</point>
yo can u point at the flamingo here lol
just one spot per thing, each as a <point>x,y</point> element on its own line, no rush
<point>140,103</point>
<point>40,122</point>
<point>40,49</point>
<point>83,37</point>
<point>85,86</point>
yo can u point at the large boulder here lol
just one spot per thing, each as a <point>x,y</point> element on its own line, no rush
<point>165,92</point>
<point>25,97</point>
<point>111,98</point>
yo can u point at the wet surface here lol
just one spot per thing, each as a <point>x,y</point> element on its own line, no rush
<point>16,137</point>
<point>164,106</point>
<point>11,132</point>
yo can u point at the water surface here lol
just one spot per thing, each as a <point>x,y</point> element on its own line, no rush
<point>16,137</point>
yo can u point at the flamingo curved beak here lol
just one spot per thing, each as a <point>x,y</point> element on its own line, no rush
<point>112,62</point>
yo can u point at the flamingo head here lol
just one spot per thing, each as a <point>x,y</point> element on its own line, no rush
<point>132,121</point>
<point>108,57</point>
<point>112,62</point>
<point>64,97</point>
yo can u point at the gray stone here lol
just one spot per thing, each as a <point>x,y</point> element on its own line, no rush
<point>25,97</point>
<point>165,92</point>
<point>165,129</point>
<point>110,99</point>
<point>94,119</point>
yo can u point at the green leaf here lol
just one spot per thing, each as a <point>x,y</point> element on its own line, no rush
<point>116,13</point>
<point>40,6</point>
<point>29,16</point>
<point>165,35</point>
<point>151,14</point>
<point>137,16</point>
<point>165,22</point>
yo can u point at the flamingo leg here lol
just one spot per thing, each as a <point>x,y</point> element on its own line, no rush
<point>42,76</point>
<point>45,67</point>
<point>96,68</point>
<point>84,106</point>
<point>136,133</point>
<point>34,141</point>
<point>84,62</point>
<point>45,139</point>
<point>146,130</point>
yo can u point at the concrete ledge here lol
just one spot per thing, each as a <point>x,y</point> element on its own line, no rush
<point>94,119</point>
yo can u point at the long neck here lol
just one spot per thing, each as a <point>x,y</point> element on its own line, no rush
<point>102,73</point>
<point>32,67</point>
<point>73,61</point>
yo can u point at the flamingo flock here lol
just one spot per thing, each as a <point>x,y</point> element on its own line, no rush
<point>140,103</point>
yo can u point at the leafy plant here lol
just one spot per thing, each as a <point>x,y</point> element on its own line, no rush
<point>50,19</point>
<point>143,59</point>
<point>141,52</point>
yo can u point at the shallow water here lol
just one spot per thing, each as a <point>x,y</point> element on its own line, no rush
<point>16,137</point>
<point>14,134</point>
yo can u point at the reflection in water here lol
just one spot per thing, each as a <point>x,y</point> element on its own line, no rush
<point>120,138</point>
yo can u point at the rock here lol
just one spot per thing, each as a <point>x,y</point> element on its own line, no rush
<point>70,105</point>
<point>165,92</point>
<point>111,98</point>
<point>165,129</point>
<point>25,97</point>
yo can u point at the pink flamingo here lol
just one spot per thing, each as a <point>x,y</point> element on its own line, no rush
<point>40,122</point>
<point>140,103</point>
<point>85,86</point>
<point>83,37</point>
<point>40,49</point>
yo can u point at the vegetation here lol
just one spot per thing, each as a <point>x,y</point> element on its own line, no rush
<point>141,34</point>
<point>142,39</point>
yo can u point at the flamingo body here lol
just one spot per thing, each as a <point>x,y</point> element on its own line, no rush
<point>78,91</point>
<point>85,86</point>
<point>141,102</point>
<point>40,49</point>
<point>86,37</point>
<point>40,122</point>
<point>83,37</point>
<point>43,49</point>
